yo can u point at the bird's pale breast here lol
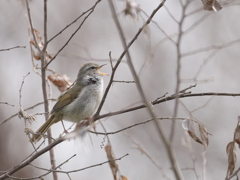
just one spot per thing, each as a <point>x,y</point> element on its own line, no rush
<point>85,105</point>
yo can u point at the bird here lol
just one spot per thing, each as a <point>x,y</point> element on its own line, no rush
<point>79,102</point>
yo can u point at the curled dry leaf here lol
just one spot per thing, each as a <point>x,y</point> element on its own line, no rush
<point>232,157</point>
<point>40,44</point>
<point>237,133</point>
<point>188,126</point>
<point>211,5</point>
<point>132,9</point>
<point>110,155</point>
<point>27,117</point>
<point>123,177</point>
<point>63,82</point>
<point>204,134</point>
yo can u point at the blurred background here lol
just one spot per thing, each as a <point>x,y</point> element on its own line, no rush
<point>214,69</point>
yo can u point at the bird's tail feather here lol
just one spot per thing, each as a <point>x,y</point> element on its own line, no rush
<point>44,128</point>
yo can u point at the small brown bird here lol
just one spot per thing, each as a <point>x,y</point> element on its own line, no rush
<point>79,102</point>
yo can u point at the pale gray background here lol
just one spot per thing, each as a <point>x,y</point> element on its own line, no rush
<point>99,36</point>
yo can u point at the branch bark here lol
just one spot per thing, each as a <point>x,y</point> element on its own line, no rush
<point>160,132</point>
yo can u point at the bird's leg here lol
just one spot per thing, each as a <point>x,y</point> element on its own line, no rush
<point>91,123</point>
<point>65,131</point>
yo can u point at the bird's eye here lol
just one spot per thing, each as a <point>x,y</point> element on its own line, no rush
<point>92,67</point>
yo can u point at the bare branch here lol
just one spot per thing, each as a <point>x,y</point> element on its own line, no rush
<point>8,49</point>
<point>211,48</point>
<point>124,81</point>
<point>140,123</point>
<point>79,27</point>
<point>60,32</point>
<point>20,90</point>
<point>77,170</point>
<point>122,55</point>
<point>165,99</point>
<point>7,103</point>
<point>169,150</point>
<point>178,71</point>
<point>31,26</point>
<point>233,174</point>
<point>14,115</point>
<point>144,151</point>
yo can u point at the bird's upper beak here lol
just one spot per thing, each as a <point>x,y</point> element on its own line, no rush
<point>101,72</point>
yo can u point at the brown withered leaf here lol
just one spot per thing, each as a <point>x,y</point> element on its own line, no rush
<point>123,177</point>
<point>237,133</point>
<point>188,126</point>
<point>132,9</point>
<point>35,52</point>
<point>27,117</point>
<point>204,134</point>
<point>211,5</point>
<point>232,157</point>
<point>63,82</point>
<point>110,155</point>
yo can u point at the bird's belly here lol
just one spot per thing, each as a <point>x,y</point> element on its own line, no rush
<point>84,105</point>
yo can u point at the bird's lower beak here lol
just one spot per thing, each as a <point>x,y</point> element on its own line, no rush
<point>102,72</point>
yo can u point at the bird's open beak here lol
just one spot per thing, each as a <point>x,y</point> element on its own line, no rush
<point>101,72</point>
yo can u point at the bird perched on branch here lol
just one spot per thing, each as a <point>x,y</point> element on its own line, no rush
<point>79,102</point>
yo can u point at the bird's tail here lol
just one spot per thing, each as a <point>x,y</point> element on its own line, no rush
<point>38,135</point>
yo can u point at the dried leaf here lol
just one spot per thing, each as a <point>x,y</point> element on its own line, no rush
<point>36,55</point>
<point>204,134</point>
<point>110,155</point>
<point>194,136</point>
<point>211,5</point>
<point>35,51</point>
<point>187,125</point>
<point>232,157</point>
<point>63,82</point>
<point>132,9</point>
<point>123,177</point>
<point>237,133</point>
<point>27,117</point>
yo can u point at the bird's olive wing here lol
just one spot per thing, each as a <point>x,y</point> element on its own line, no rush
<point>66,98</point>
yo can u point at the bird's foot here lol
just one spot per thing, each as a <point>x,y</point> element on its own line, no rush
<point>65,131</point>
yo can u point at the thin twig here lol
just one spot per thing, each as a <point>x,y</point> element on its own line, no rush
<point>233,174</point>
<point>169,150</point>
<point>171,15</point>
<point>14,115</point>
<point>30,159</point>
<point>165,99</point>
<point>66,172</point>
<point>144,151</point>
<point>178,72</point>
<point>124,81</point>
<point>204,105</point>
<point>196,23</point>
<point>71,134</point>
<point>77,170</point>
<point>110,58</point>
<point>7,103</point>
<point>8,49</point>
<point>49,170</point>
<point>210,48</point>
<point>75,20</point>
<point>31,26</point>
<point>20,90</point>
<point>188,146</point>
<point>140,123</point>
<point>122,55</point>
<point>79,27</point>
